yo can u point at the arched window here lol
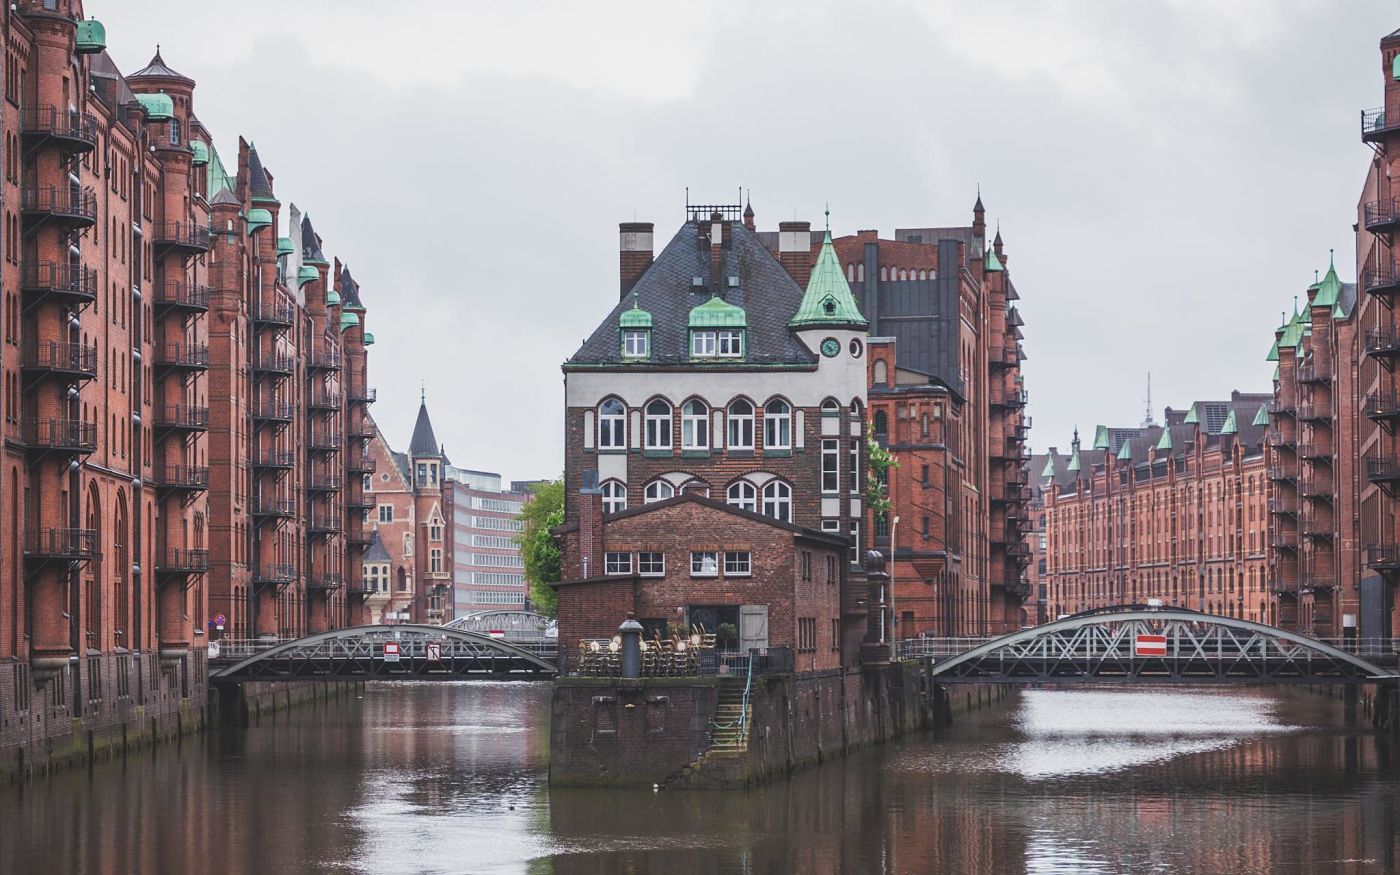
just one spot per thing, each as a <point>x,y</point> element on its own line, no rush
<point>697,487</point>
<point>612,425</point>
<point>743,495</point>
<point>777,500</point>
<point>695,425</point>
<point>831,407</point>
<point>614,496</point>
<point>881,371</point>
<point>658,490</point>
<point>740,425</point>
<point>777,425</point>
<point>658,425</point>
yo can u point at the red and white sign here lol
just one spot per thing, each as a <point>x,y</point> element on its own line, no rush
<point>433,651</point>
<point>497,633</point>
<point>1151,645</point>
<point>391,651</point>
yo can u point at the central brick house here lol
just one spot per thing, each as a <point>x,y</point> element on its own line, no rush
<point>718,378</point>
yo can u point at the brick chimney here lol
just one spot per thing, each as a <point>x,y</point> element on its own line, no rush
<point>590,526</point>
<point>795,249</point>
<point>634,252</point>
<point>717,280</point>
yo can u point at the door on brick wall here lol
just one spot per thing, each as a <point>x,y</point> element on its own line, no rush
<point>753,628</point>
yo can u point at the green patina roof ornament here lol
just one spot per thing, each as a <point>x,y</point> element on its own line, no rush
<point>1125,452</point>
<point>1230,427</point>
<point>1262,417</point>
<point>991,263</point>
<point>285,246</point>
<point>1165,442</point>
<point>828,301</point>
<point>92,37</point>
<point>1049,469</point>
<point>1101,441</point>
<point>201,152</point>
<point>1074,454</point>
<point>369,338</point>
<point>307,274</point>
<point>1329,288</point>
<point>1293,333</point>
<point>258,218</point>
<point>718,313</point>
<point>332,298</point>
<point>1273,353</point>
<point>348,320</point>
<point>159,106</point>
<point>635,317</point>
<point>1277,371</point>
<point>1192,416</point>
<point>1395,68</point>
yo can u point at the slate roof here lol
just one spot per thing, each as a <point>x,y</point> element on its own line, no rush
<point>310,242</point>
<point>259,186</point>
<point>401,462</point>
<point>376,551</point>
<point>423,442</point>
<point>349,291</point>
<point>766,292</point>
<point>157,68</point>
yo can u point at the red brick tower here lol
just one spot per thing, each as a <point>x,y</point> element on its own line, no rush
<point>355,341</point>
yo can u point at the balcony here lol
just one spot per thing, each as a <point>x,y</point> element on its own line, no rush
<point>1315,487</point>
<point>73,131</point>
<point>1283,506</point>
<point>1381,280</point>
<point>1381,217</point>
<point>1314,372</point>
<point>274,508</point>
<point>46,544</point>
<point>1383,557</point>
<point>275,460</point>
<point>360,463</point>
<point>326,580</point>
<point>1316,450</point>
<point>273,412</point>
<point>66,205</point>
<point>73,285</point>
<point>1382,407</point>
<point>182,478</point>
<point>323,441</point>
<point>363,431</point>
<point>359,538</point>
<point>1014,400</point>
<point>1283,540</point>
<point>324,483</point>
<point>1318,578</point>
<point>178,356</point>
<point>60,435</point>
<point>1315,411</point>
<point>278,363</point>
<point>324,361</point>
<point>1007,356</point>
<point>273,315</point>
<point>359,502</point>
<point>185,238</point>
<point>182,418</point>
<point>362,395</point>
<point>273,575</point>
<point>1281,472</point>
<point>1382,344</point>
<point>323,400</point>
<point>182,296</point>
<point>1382,472</point>
<point>178,563</point>
<point>1375,125</point>
<point>322,525</point>
<point>1316,527</point>
<point>58,358</point>
<point>1280,585</point>
<point>1278,440</point>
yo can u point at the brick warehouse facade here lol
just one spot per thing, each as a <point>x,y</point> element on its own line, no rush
<point>161,344</point>
<point>1176,512</point>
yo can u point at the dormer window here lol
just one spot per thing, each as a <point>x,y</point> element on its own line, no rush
<point>731,344</point>
<point>722,343</point>
<point>717,330</point>
<point>636,343</point>
<point>702,344</point>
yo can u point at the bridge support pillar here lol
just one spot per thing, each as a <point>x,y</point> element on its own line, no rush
<point>1386,715</point>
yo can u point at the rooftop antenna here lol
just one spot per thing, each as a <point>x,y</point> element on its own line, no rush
<point>1147,421</point>
<point>423,391</point>
<point>828,217</point>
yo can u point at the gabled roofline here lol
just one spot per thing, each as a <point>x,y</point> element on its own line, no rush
<point>800,531</point>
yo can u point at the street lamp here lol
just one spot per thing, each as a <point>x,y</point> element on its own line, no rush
<point>894,614</point>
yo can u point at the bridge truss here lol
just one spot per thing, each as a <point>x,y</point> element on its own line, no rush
<point>413,652</point>
<point>1162,646</point>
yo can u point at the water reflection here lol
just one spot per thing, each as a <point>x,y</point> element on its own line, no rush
<point>451,778</point>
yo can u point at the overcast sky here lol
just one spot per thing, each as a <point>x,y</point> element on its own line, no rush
<point>1167,175</point>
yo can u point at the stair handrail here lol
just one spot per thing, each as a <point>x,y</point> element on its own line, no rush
<point>742,723</point>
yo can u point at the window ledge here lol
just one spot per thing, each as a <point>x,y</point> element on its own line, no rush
<point>695,454</point>
<point>777,454</point>
<point>741,454</point>
<point>656,453</point>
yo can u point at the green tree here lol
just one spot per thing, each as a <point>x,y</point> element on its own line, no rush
<point>538,548</point>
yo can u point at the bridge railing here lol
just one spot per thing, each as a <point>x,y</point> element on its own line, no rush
<point>602,661</point>
<point>941,648</point>
<point>1367,647</point>
<point>235,649</point>
<point>916,648</point>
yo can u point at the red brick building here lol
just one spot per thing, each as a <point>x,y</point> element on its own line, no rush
<point>1176,512</point>
<point>178,382</point>
<point>691,561</point>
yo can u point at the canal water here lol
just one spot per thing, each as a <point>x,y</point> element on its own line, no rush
<point>447,778</point>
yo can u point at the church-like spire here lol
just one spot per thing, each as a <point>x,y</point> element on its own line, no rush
<point>424,442</point>
<point>828,301</point>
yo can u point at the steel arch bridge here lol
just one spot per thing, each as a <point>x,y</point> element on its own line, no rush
<point>1151,645</point>
<point>360,653</point>
<point>515,624</point>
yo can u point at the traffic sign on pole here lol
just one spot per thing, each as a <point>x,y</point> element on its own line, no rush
<point>391,651</point>
<point>1151,645</point>
<point>434,651</point>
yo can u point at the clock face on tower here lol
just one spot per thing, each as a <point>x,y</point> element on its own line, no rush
<point>830,347</point>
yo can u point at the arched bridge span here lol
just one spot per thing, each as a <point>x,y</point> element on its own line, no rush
<point>1149,645</point>
<point>400,652</point>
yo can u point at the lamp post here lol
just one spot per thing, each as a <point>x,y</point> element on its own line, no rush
<point>894,614</point>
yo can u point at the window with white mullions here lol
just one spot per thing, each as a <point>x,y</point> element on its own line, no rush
<point>635,343</point>
<point>831,465</point>
<point>612,425</point>
<point>737,563</point>
<point>658,414</point>
<point>704,564</point>
<point>777,425</point>
<point>777,500</point>
<point>695,426</point>
<point>740,425</point>
<point>658,490</point>
<point>702,344</point>
<point>614,496</point>
<point>650,564</point>
<point>730,344</point>
<point>743,495</point>
<point>617,563</point>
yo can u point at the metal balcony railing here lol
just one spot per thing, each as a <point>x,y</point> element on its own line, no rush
<point>187,236</point>
<point>1318,578</point>
<point>60,543</point>
<point>1315,487</point>
<point>1283,506</point>
<point>1382,344</point>
<point>182,417</point>
<point>73,206</point>
<point>325,580</point>
<point>1315,450</point>
<point>274,363</point>
<point>182,356</point>
<point>360,463</point>
<point>274,507</point>
<point>273,411</point>
<point>279,459</point>
<point>323,400</point>
<point>1381,216</point>
<point>1314,372</point>
<point>1383,556</point>
<point>1314,411</point>
<point>1284,540</point>
<point>1375,124</point>
<point>273,314</point>
<point>183,477</point>
<point>1382,471</point>
<point>184,296</point>
<point>362,395</point>
<point>323,440</point>
<point>61,358</point>
<point>183,562</point>
<point>323,361</point>
<point>1382,406</point>
<point>60,435</point>
<point>319,482</point>
<point>77,130</point>
<point>72,282</point>
<point>1281,472</point>
<point>1278,440</point>
<point>274,575</point>
<point>324,524</point>
<point>1381,280</point>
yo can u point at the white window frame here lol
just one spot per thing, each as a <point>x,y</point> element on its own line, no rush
<point>741,425</point>
<point>614,496</point>
<point>700,566</point>
<point>658,490</point>
<point>649,567</point>
<point>743,495</point>
<point>636,343</point>
<point>738,563</point>
<point>831,466</point>
<point>695,427</point>
<point>702,343</point>
<point>617,562</point>
<point>777,497</point>
<point>390,509</point>
<point>658,424</point>
<point>777,425</point>
<point>729,343</point>
<point>612,427</point>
